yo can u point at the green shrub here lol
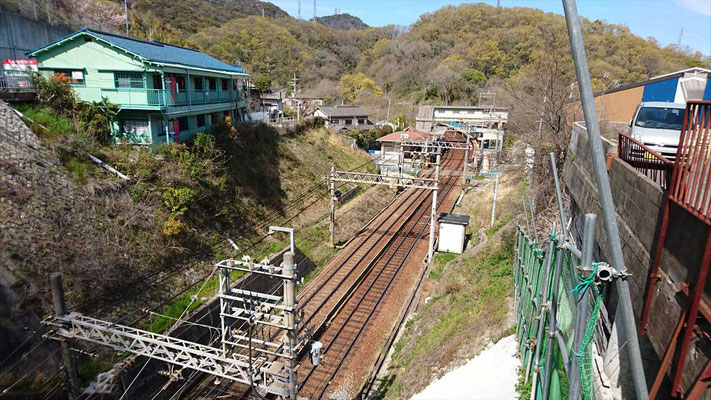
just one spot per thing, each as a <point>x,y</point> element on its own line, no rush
<point>56,93</point>
<point>178,199</point>
<point>96,118</point>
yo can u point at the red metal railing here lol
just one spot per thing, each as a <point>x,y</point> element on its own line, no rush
<point>645,160</point>
<point>690,189</point>
<point>692,177</point>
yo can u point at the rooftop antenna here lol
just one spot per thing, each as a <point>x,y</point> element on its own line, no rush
<point>125,11</point>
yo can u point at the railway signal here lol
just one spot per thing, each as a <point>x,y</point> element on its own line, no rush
<point>266,363</point>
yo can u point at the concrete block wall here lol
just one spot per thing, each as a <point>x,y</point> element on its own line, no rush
<point>638,203</point>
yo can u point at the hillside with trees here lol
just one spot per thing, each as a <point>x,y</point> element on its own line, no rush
<point>341,21</point>
<point>448,56</point>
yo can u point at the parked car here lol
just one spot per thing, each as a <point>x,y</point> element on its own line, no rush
<point>658,126</point>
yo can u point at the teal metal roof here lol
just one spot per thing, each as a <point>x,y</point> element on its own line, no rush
<point>153,51</point>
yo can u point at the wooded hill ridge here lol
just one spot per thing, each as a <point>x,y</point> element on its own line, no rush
<point>445,57</point>
<point>341,21</point>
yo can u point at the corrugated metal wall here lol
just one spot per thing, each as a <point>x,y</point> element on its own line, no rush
<point>660,91</point>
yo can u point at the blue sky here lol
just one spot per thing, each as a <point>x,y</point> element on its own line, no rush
<point>662,19</point>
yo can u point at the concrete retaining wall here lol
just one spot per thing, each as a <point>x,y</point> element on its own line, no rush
<point>638,203</point>
<point>19,35</point>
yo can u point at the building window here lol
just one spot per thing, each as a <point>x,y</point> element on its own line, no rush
<point>214,118</point>
<point>134,126</point>
<point>132,80</point>
<point>198,83</point>
<point>225,84</point>
<point>361,121</point>
<point>200,120</point>
<point>212,83</point>
<point>75,77</point>
<point>183,123</point>
<point>349,121</point>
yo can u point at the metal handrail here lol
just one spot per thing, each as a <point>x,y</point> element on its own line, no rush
<point>645,160</point>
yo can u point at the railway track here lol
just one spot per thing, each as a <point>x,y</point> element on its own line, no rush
<point>346,327</point>
<point>338,302</point>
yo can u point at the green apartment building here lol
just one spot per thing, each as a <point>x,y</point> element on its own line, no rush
<point>164,92</point>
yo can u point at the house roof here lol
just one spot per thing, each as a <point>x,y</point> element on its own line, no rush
<point>412,133</point>
<point>153,51</point>
<point>343,111</point>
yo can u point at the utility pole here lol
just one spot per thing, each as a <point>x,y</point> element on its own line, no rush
<point>295,101</point>
<point>314,10</point>
<point>299,9</point>
<point>493,206</point>
<point>125,12</point>
<point>289,271</point>
<point>466,163</point>
<point>60,310</point>
<point>388,117</point>
<point>433,217</point>
<point>333,207</point>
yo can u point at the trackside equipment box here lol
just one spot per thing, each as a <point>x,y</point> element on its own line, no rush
<point>452,232</point>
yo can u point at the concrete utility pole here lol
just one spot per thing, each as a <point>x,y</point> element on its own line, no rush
<point>332,226</point>
<point>125,12</point>
<point>60,310</point>
<point>466,164</point>
<point>290,314</point>
<point>433,217</point>
<point>293,97</point>
<point>493,206</point>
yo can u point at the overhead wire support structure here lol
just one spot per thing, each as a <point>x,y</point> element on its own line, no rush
<point>399,180</point>
<point>239,309</point>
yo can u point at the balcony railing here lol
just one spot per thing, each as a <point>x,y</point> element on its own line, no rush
<point>645,160</point>
<point>154,97</point>
<point>16,83</point>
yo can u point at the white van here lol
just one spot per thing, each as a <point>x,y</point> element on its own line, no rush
<point>658,125</point>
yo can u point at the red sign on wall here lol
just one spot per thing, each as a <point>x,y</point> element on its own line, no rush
<point>19,65</point>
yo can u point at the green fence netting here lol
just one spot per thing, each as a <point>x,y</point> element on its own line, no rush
<point>534,274</point>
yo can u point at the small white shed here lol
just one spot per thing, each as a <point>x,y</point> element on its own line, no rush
<point>452,231</point>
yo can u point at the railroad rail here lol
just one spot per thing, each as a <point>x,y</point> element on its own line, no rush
<point>346,325</point>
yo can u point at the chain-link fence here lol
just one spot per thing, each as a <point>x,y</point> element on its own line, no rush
<point>548,287</point>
